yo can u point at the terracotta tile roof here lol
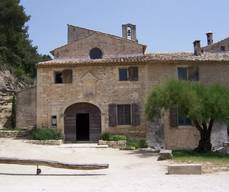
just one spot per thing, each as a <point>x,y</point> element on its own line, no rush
<point>182,56</point>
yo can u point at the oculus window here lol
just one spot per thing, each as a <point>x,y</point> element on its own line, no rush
<point>96,53</point>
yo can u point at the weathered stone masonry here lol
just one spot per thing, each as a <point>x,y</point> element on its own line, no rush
<point>95,82</point>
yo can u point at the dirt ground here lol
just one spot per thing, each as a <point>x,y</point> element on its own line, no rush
<point>130,171</point>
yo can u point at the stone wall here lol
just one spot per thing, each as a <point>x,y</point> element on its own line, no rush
<point>109,46</point>
<point>216,47</point>
<point>26,108</point>
<point>99,85</point>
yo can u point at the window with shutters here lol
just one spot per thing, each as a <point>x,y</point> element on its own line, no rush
<point>182,118</point>
<point>64,76</point>
<point>128,74</point>
<point>190,73</point>
<point>124,114</point>
<point>177,117</point>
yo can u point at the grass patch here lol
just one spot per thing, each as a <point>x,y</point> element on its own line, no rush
<point>209,157</point>
<point>45,134</point>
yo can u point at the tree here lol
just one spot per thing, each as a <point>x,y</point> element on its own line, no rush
<point>203,104</point>
<point>16,50</point>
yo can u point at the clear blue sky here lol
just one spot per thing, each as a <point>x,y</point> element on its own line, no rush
<point>163,25</point>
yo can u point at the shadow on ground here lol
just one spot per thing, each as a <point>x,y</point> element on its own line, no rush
<point>56,175</point>
<point>143,154</point>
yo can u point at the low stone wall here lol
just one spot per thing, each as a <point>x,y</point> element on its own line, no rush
<point>185,169</point>
<point>113,144</point>
<point>45,142</point>
<point>13,134</point>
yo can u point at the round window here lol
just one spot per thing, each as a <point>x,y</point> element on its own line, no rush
<point>96,53</point>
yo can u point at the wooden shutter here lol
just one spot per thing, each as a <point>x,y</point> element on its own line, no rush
<point>133,73</point>
<point>67,76</point>
<point>193,73</point>
<point>112,108</point>
<point>135,114</point>
<point>173,116</point>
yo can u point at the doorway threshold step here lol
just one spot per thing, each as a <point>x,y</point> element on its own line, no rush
<point>83,145</point>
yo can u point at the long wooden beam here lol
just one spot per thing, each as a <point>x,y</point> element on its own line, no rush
<point>55,164</point>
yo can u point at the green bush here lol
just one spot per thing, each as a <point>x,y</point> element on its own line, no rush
<point>106,136</point>
<point>142,143</point>
<point>46,134</point>
<point>111,137</point>
<point>136,144</point>
<point>117,137</point>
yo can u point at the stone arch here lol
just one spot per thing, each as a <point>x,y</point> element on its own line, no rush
<point>82,121</point>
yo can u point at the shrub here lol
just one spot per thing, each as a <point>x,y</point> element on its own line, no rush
<point>111,137</point>
<point>117,137</point>
<point>142,143</point>
<point>106,136</point>
<point>134,143</point>
<point>46,134</point>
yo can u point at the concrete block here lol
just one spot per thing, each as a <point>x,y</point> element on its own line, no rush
<point>185,169</point>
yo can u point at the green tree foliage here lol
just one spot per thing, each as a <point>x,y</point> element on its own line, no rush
<point>16,50</point>
<point>203,104</point>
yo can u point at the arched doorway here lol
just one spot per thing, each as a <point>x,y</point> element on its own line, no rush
<point>82,122</point>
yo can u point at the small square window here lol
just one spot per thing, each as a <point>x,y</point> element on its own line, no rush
<point>58,77</point>
<point>123,74</point>
<point>53,121</point>
<point>182,73</point>
<point>222,48</point>
<point>64,76</point>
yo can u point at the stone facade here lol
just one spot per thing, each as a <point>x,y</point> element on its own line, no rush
<point>81,41</point>
<point>26,108</point>
<point>220,46</point>
<point>96,83</point>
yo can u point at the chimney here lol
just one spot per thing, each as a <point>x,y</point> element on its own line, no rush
<point>209,38</point>
<point>197,47</point>
<point>129,31</point>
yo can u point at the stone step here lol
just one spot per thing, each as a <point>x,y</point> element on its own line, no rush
<point>83,145</point>
<point>185,169</point>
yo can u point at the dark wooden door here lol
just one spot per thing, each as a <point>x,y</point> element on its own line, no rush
<point>82,126</point>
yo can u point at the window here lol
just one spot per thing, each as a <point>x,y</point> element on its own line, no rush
<point>53,121</point>
<point>123,74</point>
<point>190,73</point>
<point>177,117</point>
<point>183,119</point>
<point>58,77</point>
<point>130,73</point>
<point>222,48</point>
<point>124,114</point>
<point>64,76</point>
<point>96,53</point>
<point>182,73</point>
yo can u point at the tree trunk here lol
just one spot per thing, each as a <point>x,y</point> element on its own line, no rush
<point>205,137</point>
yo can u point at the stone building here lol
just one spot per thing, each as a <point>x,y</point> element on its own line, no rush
<point>98,83</point>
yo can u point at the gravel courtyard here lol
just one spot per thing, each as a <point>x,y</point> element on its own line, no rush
<point>129,171</point>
